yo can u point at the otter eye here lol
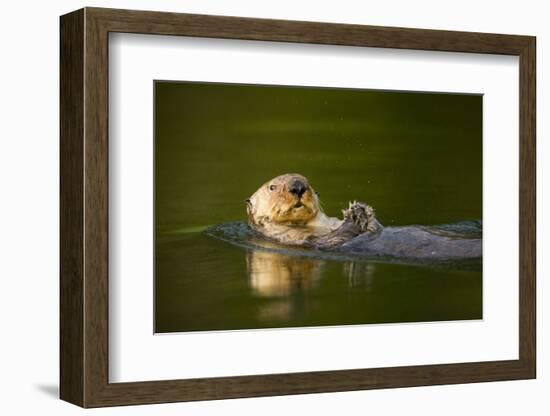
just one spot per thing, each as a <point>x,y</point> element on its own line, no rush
<point>272,187</point>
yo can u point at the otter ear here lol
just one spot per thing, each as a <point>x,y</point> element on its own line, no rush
<point>248,203</point>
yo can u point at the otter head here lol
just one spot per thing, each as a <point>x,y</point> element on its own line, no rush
<point>285,200</point>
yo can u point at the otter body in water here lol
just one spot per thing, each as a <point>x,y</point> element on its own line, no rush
<point>287,209</point>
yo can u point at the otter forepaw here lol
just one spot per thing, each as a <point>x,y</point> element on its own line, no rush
<point>359,214</point>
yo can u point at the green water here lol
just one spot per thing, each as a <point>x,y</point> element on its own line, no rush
<point>415,157</point>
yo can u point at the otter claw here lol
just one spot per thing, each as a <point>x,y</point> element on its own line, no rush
<point>359,214</point>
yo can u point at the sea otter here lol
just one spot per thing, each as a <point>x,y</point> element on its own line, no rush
<point>287,209</point>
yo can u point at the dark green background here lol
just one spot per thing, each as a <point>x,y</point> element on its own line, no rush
<point>416,157</point>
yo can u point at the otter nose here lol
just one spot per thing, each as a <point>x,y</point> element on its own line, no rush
<point>298,188</point>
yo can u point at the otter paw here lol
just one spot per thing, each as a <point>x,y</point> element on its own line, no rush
<point>359,214</point>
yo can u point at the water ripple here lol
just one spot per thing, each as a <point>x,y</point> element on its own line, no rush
<point>241,235</point>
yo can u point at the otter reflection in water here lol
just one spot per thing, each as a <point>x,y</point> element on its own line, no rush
<point>285,280</point>
<point>273,274</point>
<point>287,209</point>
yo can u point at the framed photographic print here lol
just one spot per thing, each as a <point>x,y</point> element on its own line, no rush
<point>255,207</point>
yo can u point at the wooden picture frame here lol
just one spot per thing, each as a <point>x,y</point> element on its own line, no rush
<point>84,207</point>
